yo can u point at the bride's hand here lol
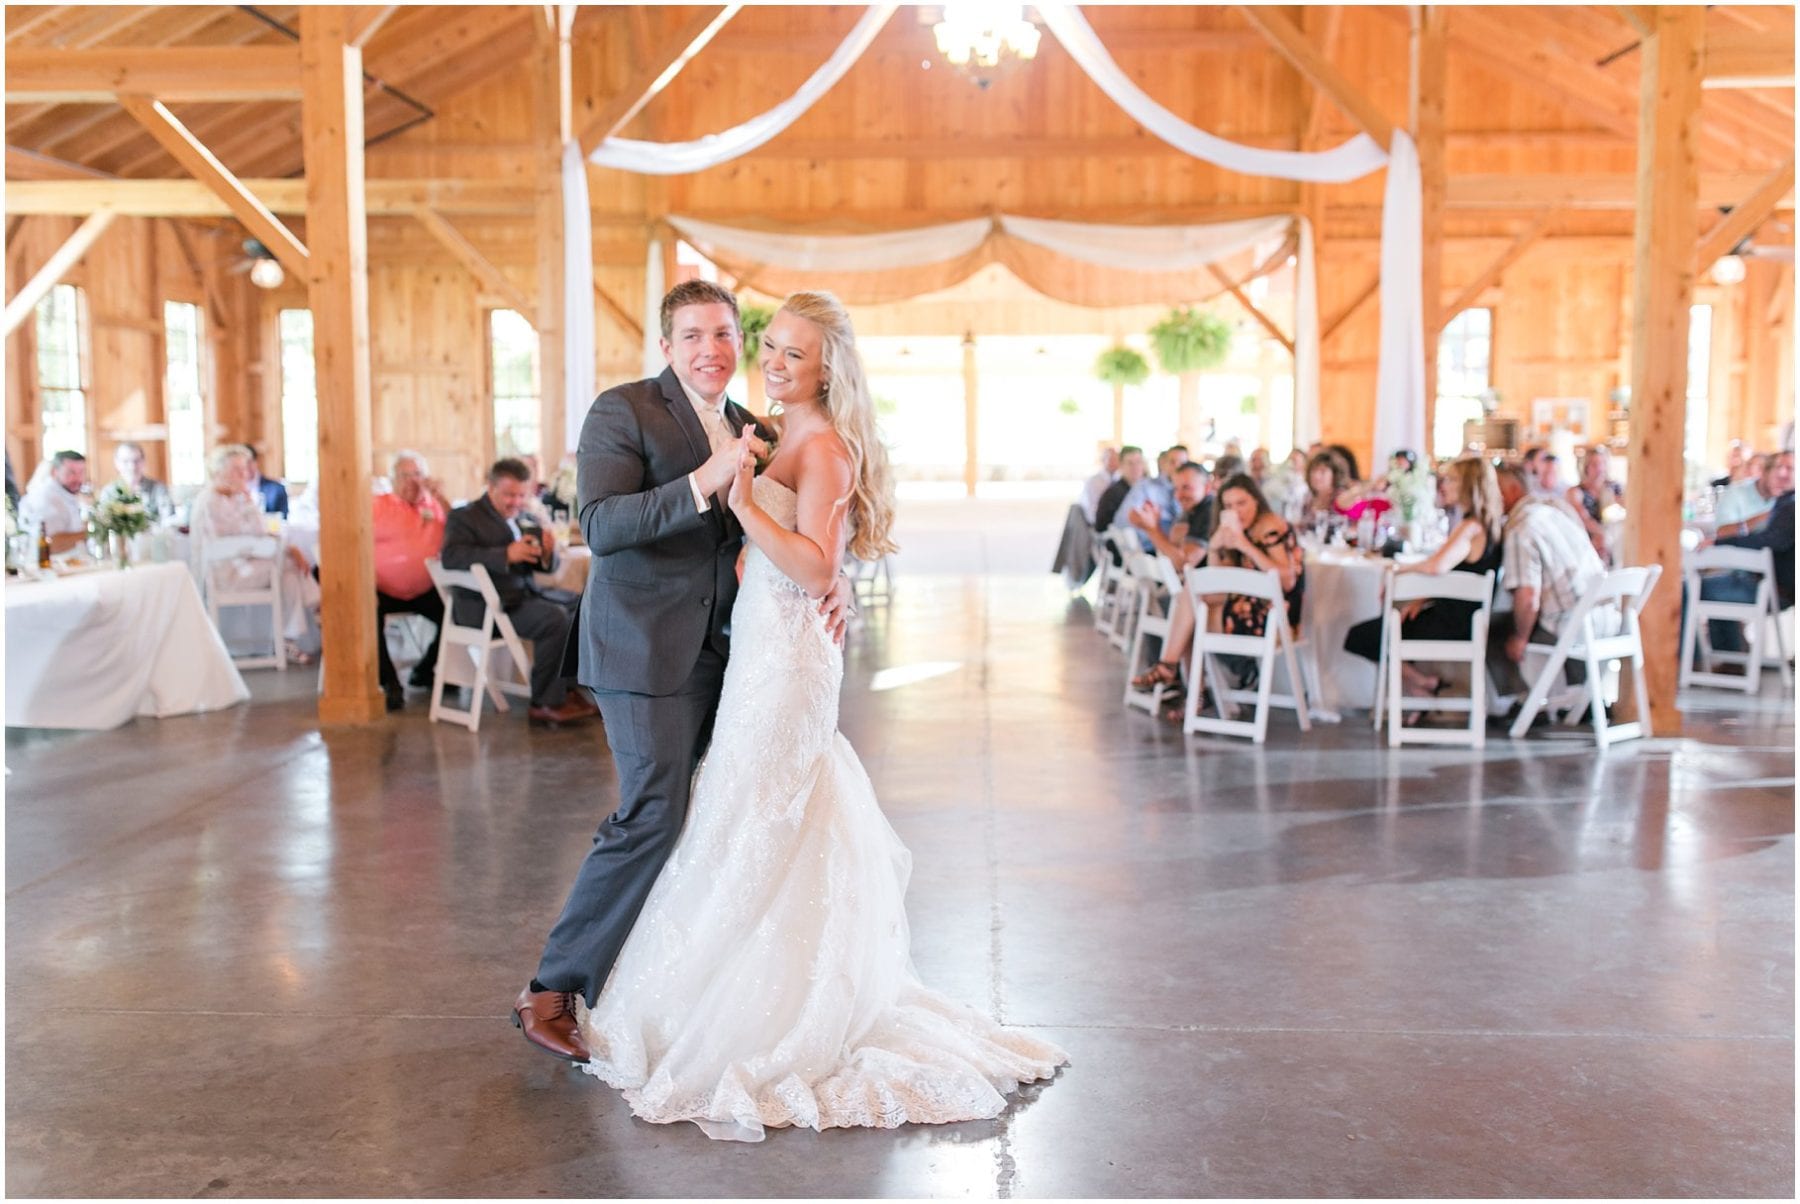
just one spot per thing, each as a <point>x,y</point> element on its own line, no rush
<point>742,483</point>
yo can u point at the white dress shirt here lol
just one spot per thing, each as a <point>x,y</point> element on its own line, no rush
<point>718,436</point>
<point>49,505</point>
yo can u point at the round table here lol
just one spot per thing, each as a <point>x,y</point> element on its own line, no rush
<point>1343,588</point>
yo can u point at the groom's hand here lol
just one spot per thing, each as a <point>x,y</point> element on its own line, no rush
<point>715,476</point>
<point>838,609</point>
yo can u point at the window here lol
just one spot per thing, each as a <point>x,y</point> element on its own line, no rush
<point>513,351</point>
<point>1464,365</point>
<point>62,380</point>
<point>299,399</point>
<point>1699,382</point>
<point>181,391</point>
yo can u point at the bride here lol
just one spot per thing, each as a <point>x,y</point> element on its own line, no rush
<point>769,979</point>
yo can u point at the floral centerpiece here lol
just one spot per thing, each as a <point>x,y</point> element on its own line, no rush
<point>120,513</point>
<point>1413,492</point>
<point>562,487</point>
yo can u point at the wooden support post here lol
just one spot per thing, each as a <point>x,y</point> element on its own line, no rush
<point>1430,73</point>
<point>1667,222</point>
<point>54,269</point>
<point>338,294</point>
<point>971,415</point>
<point>550,129</point>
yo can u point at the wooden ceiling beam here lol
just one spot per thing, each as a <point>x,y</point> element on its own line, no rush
<point>1744,218</point>
<point>1298,50</point>
<point>22,164</point>
<point>1317,109</point>
<point>200,162</point>
<point>166,72</point>
<point>1748,59</point>
<point>54,269</point>
<point>1266,322</point>
<point>656,73</point>
<point>191,198</point>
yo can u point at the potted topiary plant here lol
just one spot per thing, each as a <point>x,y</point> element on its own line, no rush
<point>1121,367</point>
<point>1188,342</point>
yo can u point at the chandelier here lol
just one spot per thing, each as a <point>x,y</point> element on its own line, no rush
<point>982,39</point>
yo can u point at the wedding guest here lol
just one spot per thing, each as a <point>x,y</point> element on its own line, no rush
<point>1185,542</point>
<point>1474,546</point>
<point>1259,466</point>
<point>1737,458</point>
<point>12,482</point>
<point>1327,477</point>
<point>488,532</point>
<point>1247,534</point>
<point>1747,505</point>
<point>1549,565</point>
<point>53,501</point>
<point>409,530</point>
<point>1349,459</point>
<point>1159,490</point>
<point>129,460</point>
<point>1131,471</point>
<point>1594,493</point>
<point>1096,485</point>
<point>1548,481</point>
<point>271,495</point>
<point>1776,534</point>
<point>227,509</point>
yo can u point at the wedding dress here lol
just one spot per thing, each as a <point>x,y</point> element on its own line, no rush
<point>769,979</point>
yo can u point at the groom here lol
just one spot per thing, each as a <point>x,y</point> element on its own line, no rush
<point>653,469</point>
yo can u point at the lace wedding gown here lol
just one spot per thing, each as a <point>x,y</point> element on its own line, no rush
<point>769,980</point>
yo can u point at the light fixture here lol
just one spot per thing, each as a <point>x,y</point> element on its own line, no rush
<point>982,39</point>
<point>1728,269</point>
<point>267,273</point>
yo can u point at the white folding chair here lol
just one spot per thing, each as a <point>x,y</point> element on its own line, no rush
<point>871,581</point>
<point>1396,649</point>
<point>477,657</point>
<point>1158,587</point>
<point>1753,617</point>
<point>1276,637</point>
<point>1118,590</point>
<point>215,557</point>
<point>1624,592</point>
<point>1111,576</point>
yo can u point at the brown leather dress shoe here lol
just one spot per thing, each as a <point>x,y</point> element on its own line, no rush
<point>547,1019</point>
<point>574,708</point>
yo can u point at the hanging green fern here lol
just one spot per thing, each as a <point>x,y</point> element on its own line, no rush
<point>1190,340</point>
<point>1122,366</point>
<point>753,319</point>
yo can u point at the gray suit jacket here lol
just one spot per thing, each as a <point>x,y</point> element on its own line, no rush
<point>664,575</point>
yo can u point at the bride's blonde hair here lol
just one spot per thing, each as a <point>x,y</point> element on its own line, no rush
<point>847,404</point>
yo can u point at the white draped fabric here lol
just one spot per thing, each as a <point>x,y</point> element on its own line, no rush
<point>578,299</point>
<point>653,291</point>
<point>841,252</point>
<point>1400,400</point>
<point>1146,248</point>
<point>678,158</point>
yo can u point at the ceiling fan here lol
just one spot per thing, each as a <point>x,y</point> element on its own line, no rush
<point>265,270</point>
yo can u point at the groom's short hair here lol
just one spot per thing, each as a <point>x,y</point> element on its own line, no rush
<point>693,292</point>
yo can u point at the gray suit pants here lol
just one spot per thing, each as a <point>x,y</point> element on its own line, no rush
<point>655,744</point>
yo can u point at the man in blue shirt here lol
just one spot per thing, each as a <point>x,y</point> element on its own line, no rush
<point>1159,490</point>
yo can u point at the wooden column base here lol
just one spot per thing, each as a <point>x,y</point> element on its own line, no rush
<point>354,709</point>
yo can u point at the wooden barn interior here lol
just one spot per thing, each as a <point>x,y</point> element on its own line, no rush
<point>260,951</point>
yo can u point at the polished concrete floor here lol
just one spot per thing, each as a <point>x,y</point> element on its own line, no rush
<point>245,957</point>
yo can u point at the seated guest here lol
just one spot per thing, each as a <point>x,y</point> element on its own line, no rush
<point>227,509</point>
<point>1548,482</point>
<point>1159,489</point>
<point>1097,484</point>
<point>488,532</point>
<point>409,530</point>
<point>1349,459</point>
<point>1737,457</point>
<point>1131,470</point>
<point>1259,466</point>
<point>270,495</point>
<point>1746,505</point>
<point>1185,544</point>
<point>53,501</point>
<point>1775,532</point>
<point>1474,546</point>
<point>1247,534</point>
<point>129,460</point>
<point>1549,565</point>
<point>1327,479</point>
<point>1594,493</point>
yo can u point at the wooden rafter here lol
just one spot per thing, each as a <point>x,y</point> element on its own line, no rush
<point>155,117</point>
<point>1345,314</point>
<point>1299,51</point>
<point>1744,218</point>
<point>22,164</point>
<point>192,198</point>
<point>656,74</point>
<point>479,265</point>
<point>1491,274</point>
<point>1749,59</point>
<point>1262,319</point>
<point>1317,107</point>
<point>54,269</point>
<point>374,24</point>
<point>173,73</point>
<point>620,314</point>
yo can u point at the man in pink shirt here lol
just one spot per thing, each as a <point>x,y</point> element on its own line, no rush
<point>409,530</point>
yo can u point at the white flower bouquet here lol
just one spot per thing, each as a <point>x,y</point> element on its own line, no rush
<point>120,511</point>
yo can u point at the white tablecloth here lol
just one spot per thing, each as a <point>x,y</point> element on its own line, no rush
<point>1342,590</point>
<point>94,649</point>
<point>572,573</point>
